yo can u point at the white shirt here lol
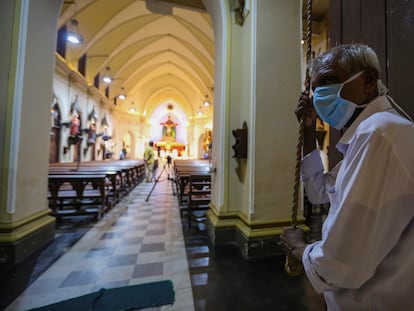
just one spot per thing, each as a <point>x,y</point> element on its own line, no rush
<point>365,259</point>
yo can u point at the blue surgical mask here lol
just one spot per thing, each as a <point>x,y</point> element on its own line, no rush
<point>331,107</point>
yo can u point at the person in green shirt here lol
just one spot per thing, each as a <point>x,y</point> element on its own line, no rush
<point>149,158</point>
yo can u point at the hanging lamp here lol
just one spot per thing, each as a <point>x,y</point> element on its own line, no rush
<point>73,36</point>
<point>122,95</point>
<point>106,77</point>
<point>206,102</point>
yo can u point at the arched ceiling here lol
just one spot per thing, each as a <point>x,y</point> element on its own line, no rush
<point>156,50</point>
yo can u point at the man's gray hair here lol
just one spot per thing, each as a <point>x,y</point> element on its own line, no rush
<point>352,58</point>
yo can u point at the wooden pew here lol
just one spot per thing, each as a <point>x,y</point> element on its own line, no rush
<point>183,169</point>
<point>182,178</point>
<point>113,182</point>
<point>133,171</point>
<point>74,187</point>
<point>199,195</point>
<point>77,194</point>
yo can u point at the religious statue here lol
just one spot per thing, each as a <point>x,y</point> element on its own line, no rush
<point>75,133</point>
<point>169,129</point>
<point>54,116</point>
<point>207,141</point>
<point>92,133</point>
<point>74,124</point>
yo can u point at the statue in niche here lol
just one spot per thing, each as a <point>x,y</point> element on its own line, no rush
<point>54,117</point>
<point>75,124</point>
<point>92,127</point>
<point>75,133</point>
<point>92,133</point>
<point>207,141</point>
<point>169,129</point>
<point>54,113</point>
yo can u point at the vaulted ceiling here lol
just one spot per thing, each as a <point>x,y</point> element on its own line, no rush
<point>158,52</point>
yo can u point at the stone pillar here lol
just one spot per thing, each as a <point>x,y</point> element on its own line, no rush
<point>264,79</point>
<point>28,52</point>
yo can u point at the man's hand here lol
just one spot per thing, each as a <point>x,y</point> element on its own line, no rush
<point>305,110</point>
<point>294,242</point>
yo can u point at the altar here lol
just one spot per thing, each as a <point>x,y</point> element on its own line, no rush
<point>168,147</point>
<point>168,143</point>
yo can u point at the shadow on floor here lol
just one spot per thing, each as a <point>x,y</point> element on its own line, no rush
<point>15,278</point>
<point>222,280</point>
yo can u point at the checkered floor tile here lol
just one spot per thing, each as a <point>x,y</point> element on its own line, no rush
<point>138,241</point>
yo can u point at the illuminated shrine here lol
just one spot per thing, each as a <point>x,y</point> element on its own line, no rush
<point>168,142</point>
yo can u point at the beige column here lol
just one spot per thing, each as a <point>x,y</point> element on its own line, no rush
<point>28,53</point>
<point>264,83</point>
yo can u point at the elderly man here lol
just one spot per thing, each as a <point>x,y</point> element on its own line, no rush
<point>365,258</point>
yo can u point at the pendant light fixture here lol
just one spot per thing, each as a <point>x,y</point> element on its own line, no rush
<point>73,34</point>
<point>106,77</point>
<point>122,95</point>
<point>132,108</point>
<point>206,102</point>
<point>199,112</point>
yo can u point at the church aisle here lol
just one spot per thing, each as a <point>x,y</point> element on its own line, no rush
<point>136,242</point>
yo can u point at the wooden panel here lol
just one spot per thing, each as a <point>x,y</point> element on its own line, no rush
<point>373,30</point>
<point>335,22</point>
<point>351,21</point>
<point>388,27</point>
<point>400,38</point>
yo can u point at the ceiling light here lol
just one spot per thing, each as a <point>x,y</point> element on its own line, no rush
<point>199,112</point>
<point>72,35</point>
<point>122,95</point>
<point>106,77</point>
<point>132,108</point>
<point>206,102</point>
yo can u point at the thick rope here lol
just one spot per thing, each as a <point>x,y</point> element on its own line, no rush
<point>293,266</point>
<point>299,145</point>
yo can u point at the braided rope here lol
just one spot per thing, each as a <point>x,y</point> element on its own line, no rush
<point>308,42</point>
<point>302,123</point>
<point>293,266</point>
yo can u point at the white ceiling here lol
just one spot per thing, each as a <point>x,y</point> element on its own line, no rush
<point>158,51</point>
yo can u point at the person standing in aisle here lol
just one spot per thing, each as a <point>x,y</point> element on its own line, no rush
<point>149,158</point>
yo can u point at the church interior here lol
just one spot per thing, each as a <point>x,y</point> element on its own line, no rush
<point>212,84</point>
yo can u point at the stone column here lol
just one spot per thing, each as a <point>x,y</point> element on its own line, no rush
<point>28,52</point>
<point>264,79</point>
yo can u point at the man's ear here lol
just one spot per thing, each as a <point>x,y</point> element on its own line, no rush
<point>371,77</point>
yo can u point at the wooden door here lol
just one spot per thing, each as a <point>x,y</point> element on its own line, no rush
<point>388,27</point>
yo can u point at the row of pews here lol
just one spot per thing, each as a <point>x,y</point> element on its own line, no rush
<point>92,187</point>
<point>193,187</point>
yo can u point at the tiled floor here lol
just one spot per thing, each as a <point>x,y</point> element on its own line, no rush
<point>142,240</point>
<point>223,280</point>
<point>138,242</point>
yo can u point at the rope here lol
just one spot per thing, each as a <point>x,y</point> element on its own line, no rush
<point>300,138</point>
<point>293,266</point>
